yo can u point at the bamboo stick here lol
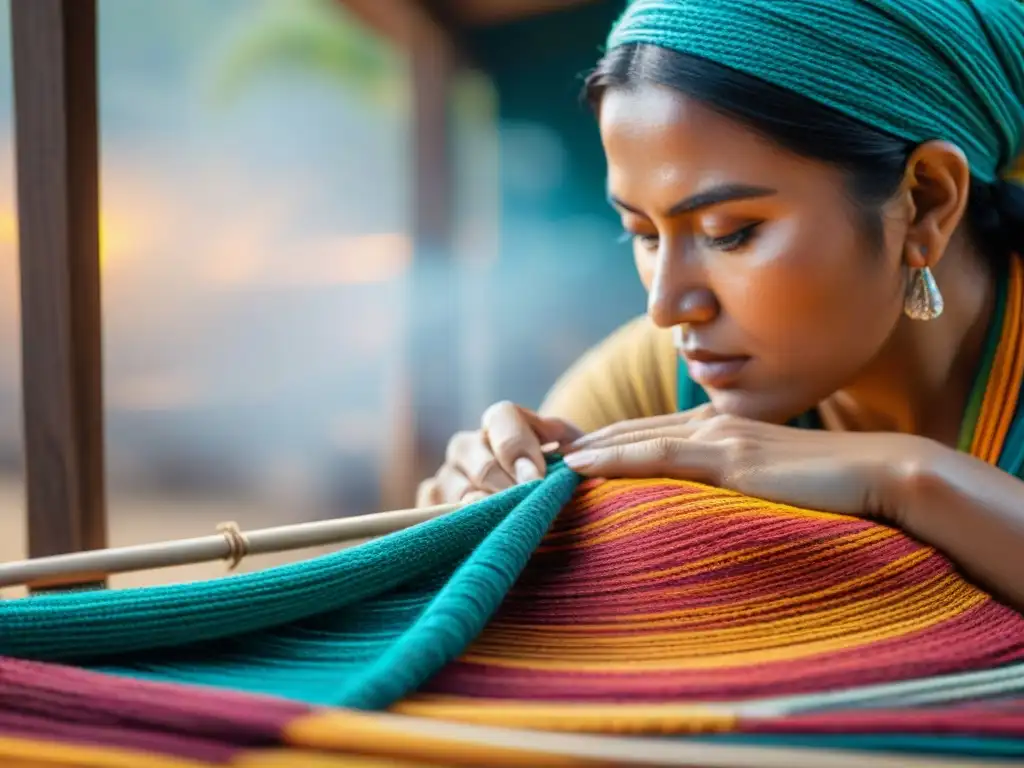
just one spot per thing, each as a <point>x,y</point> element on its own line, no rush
<point>231,544</point>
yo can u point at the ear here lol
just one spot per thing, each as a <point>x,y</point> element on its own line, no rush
<point>935,185</point>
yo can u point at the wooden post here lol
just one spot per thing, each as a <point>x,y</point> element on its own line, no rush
<point>55,93</point>
<point>428,405</point>
<point>433,313</point>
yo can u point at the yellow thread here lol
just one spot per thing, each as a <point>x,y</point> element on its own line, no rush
<point>1016,171</point>
<point>578,718</point>
<point>654,514</point>
<point>837,629</point>
<point>738,610</point>
<point>1004,383</point>
<point>755,553</point>
<point>344,730</point>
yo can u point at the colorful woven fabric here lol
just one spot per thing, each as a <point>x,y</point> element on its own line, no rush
<point>718,627</point>
<point>685,619</point>
<point>663,591</point>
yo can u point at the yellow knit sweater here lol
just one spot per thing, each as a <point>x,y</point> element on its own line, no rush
<point>630,375</point>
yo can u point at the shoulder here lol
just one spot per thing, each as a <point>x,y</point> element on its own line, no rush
<point>630,374</point>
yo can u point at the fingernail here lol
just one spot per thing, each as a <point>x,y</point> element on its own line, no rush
<point>472,498</point>
<point>580,460</point>
<point>526,471</point>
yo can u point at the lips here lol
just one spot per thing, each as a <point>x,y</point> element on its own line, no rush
<point>714,370</point>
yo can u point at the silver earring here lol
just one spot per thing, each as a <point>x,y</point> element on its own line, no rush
<point>923,300</point>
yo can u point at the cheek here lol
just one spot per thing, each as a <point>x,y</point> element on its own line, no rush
<point>801,298</point>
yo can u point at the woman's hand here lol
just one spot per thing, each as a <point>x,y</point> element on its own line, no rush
<point>505,451</point>
<point>844,472</point>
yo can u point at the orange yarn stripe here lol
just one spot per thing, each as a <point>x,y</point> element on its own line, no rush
<point>1004,384</point>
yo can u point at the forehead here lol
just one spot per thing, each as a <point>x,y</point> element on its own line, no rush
<point>654,135</point>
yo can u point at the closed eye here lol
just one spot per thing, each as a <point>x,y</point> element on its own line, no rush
<point>734,240</point>
<point>647,241</point>
<point>731,242</point>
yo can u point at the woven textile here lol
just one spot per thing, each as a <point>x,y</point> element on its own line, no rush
<point>665,591</point>
<point>687,617</point>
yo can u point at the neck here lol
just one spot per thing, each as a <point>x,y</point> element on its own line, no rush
<point>921,381</point>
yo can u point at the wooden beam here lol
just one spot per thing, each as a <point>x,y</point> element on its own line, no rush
<point>428,33</point>
<point>430,402</point>
<point>55,93</point>
<point>490,12</point>
<point>404,22</point>
<point>432,70</point>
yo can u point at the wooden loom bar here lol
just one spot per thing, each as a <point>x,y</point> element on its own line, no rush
<point>61,570</point>
<point>55,94</point>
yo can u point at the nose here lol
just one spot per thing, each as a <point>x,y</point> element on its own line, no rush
<point>679,293</point>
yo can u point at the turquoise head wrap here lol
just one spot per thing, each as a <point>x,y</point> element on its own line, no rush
<point>918,69</point>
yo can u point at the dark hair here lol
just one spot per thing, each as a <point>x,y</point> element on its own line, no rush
<point>873,160</point>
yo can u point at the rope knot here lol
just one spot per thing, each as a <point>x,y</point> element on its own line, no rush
<point>238,544</point>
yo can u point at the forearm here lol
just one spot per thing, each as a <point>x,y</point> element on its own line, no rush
<point>972,512</point>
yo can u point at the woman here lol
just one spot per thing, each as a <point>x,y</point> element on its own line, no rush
<point>823,205</point>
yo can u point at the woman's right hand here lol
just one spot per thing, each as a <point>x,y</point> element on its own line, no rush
<point>505,451</point>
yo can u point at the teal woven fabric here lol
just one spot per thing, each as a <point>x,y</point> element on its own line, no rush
<point>918,69</point>
<point>358,628</point>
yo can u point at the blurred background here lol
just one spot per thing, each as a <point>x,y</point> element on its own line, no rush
<point>329,239</point>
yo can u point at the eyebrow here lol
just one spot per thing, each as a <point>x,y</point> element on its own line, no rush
<point>725,193</point>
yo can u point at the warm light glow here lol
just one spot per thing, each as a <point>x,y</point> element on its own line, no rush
<point>368,259</point>
<point>8,228</point>
<point>157,391</point>
<point>117,237</point>
<point>237,260</point>
<point>330,261</point>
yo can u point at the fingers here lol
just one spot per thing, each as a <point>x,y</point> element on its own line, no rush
<point>471,454</point>
<point>454,486</point>
<point>513,441</point>
<point>616,433</point>
<point>505,451</point>
<point>662,456</point>
<point>428,494</point>
<point>600,442</point>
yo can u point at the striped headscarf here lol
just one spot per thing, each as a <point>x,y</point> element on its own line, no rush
<point>951,70</point>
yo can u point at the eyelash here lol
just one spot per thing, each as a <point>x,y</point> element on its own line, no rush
<point>731,242</point>
<point>735,240</point>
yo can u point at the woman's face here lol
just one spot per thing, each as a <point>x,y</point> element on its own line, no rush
<point>756,252</point>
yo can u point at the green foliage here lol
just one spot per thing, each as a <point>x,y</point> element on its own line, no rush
<point>314,37</point>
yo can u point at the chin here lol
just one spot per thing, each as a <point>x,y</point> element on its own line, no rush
<point>767,407</point>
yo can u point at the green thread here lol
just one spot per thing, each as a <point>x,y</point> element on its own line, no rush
<point>977,398</point>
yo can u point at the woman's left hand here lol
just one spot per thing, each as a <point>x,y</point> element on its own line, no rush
<point>843,472</point>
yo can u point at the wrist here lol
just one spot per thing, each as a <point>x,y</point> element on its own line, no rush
<point>910,474</point>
